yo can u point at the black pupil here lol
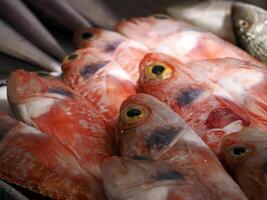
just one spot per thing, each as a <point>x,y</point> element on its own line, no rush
<point>133,112</point>
<point>239,150</point>
<point>87,35</point>
<point>158,69</point>
<point>72,56</point>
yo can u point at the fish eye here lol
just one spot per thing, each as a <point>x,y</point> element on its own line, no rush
<point>70,58</point>
<point>243,23</point>
<point>133,114</point>
<point>239,150</point>
<point>42,73</point>
<point>158,71</point>
<point>161,16</point>
<point>87,35</point>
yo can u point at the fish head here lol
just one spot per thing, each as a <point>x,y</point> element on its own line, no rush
<point>104,40</point>
<point>31,95</point>
<point>148,127</point>
<point>142,179</point>
<point>245,154</point>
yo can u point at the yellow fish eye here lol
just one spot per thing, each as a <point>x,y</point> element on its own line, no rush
<point>133,114</point>
<point>243,24</point>
<point>239,150</point>
<point>158,71</point>
<point>70,58</point>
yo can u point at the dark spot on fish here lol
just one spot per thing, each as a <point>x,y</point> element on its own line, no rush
<point>158,69</point>
<point>264,167</point>
<point>238,150</point>
<point>61,91</point>
<point>161,16</point>
<point>112,46</point>
<point>169,174</point>
<point>134,112</point>
<point>161,138</point>
<point>139,157</point>
<point>92,68</point>
<point>187,96</point>
<point>72,56</point>
<point>87,35</point>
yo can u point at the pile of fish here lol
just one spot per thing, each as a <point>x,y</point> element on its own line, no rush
<point>156,109</point>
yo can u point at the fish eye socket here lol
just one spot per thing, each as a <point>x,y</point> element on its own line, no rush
<point>42,73</point>
<point>133,114</point>
<point>243,23</point>
<point>72,56</point>
<point>87,35</point>
<point>158,71</point>
<point>239,151</point>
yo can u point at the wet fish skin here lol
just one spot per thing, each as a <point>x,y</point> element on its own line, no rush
<point>250,28</point>
<point>14,44</point>
<point>244,153</point>
<point>52,107</point>
<point>60,12</point>
<point>150,130</point>
<point>99,79</point>
<point>29,26</point>
<point>25,161</point>
<point>183,41</point>
<point>199,101</point>
<point>128,53</point>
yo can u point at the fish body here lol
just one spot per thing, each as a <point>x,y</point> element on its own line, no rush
<point>244,81</point>
<point>168,160</point>
<point>47,104</point>
<point>244,153</point>
<point>196,99</point>
<point>181,40</point>
<point>34,160</point>
<point>14,44</point>
<point>99,79</point>
<point>28,25</point>
<point>60,12</point>
<point>128,53</point>
<point>250,26</point>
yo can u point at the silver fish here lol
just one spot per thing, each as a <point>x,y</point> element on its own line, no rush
<point>250,27</point>
<point>60,12</point>
<point>14,44</point>
<point>7,192</point>
<point>21,18</point>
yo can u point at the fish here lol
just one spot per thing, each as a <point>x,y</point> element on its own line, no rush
<point>45,103</point>
<point>244,153</point>
<point>243,81</point>
<point>163,158</point>
<point>18,15</point>
<point>250,29</point>
<point>99,79</point>
<point>128,53</point>
<point>185,42</point>
<point>212,16</point>
<point>4,106</point>
<point>59,12</point>
<point>199,101</point>
<point>35,161</point>
<point>16,45</point>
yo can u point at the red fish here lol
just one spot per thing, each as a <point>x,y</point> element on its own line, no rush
<point>47,104</point>
<point>244,153</point>
<point>128,53</point>
<point>196,99</point>
<point>244,81</point>
<point>183,41</point>
<point>34,160</point>
<point>99,79</point>
<point>169,161</point>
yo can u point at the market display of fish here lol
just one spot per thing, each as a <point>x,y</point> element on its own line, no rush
<point>250,28</point>
<point>59,12</point>
<point>99,79</point>
<point>185,42</point>
<point>244,153</point>
<point>19,47</point>
<point>146,107</point>
<point>169,160</point>
<point>126,52</point>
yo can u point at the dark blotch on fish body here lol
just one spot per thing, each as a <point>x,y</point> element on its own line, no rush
<point>187,96</point>
<point>112,46</point>
<point>139,157</point>
<point>92,68</point>
<point>61,91</point>
<point>161,138</point>
<point>169,174</point>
